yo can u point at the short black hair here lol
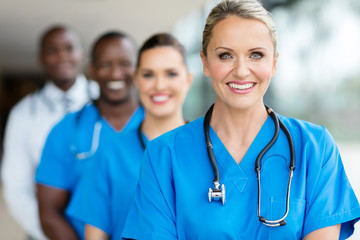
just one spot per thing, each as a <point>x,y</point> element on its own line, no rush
<point>49,31</point>
<point>106,36</point>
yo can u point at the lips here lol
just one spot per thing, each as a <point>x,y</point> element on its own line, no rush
<point>63,66</point>
<point>160,98</point>
<point>116,85</point>
<point>241,86</point>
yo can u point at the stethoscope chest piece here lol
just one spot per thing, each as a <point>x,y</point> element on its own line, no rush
<point>217,193</point>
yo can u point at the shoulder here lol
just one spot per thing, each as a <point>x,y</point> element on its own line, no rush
<point>25,105</point>
<point>185,132</point>
<point>306,131</point>
<point>313,142</point>
<point>178,139</point>
<point>71,120</point>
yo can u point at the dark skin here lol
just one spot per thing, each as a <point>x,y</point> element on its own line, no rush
<point>52,204</point>
<point>114,62</point>
<point>61,56</point>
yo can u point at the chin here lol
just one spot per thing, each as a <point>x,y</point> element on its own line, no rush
<point>63,80</point>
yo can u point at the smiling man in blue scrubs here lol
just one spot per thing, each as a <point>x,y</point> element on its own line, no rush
<point>75,141</point>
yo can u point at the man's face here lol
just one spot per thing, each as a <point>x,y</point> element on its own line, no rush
<point>61,56</point>
<point>113,68</point>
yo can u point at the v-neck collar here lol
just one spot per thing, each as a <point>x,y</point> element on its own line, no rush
<point>239,174</point>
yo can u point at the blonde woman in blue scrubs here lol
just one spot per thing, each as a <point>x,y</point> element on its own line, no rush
<point>173,200</point>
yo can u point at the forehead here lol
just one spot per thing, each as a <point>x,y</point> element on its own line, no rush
<point>60,36</point>
<point>237,31</point>
<point>161,57</point>
<point>115,47</point>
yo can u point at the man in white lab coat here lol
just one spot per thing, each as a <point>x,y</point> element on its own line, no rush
<point>30,120</point>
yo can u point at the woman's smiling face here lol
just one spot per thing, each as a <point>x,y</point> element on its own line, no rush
<point>162,81</point>
<point>240,61</point>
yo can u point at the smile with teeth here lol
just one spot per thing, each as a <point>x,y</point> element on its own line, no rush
<point>241,86</point>
<point>160,98</point>
<point>116,85</point>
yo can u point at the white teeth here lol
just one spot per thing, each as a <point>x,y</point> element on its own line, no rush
<point>116,85</point>
<point>160,98</point>
<point>241,86</point>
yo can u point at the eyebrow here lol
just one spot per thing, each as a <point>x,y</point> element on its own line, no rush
<point>257,48</point>
<point>250,50</point>
<point>223,48</point>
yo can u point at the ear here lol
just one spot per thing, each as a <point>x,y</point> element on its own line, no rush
<point>136,79</point>
<point>189,80</point>
<point>205,64</point>
<point>40,60</point>
<point>274,67</point>
<point>91,69</point>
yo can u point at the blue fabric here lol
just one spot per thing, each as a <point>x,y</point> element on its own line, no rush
<point>171,200</point>
<point>108,188</point>
<point>59,168</point>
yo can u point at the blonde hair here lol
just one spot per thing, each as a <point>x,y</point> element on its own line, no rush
<point>250,9</point>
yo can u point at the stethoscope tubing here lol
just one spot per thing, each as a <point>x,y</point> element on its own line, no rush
<point>278,125</point>
<point>95,140</point>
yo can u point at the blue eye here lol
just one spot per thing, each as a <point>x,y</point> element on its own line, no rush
<point>256,55</point>
<point>225,56</point>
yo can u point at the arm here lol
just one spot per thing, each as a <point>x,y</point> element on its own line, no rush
<point>94,233</point>
<point>152,214</point>
<point>52,204</point>
<point>18,175</point>
<point>332,207</point>
<point>327,233</point>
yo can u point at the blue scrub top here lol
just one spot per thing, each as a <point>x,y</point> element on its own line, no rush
<point>59,167</point>
<point>171,201</point>
<point>107,189</point>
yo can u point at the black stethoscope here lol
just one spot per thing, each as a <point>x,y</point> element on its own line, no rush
<point>140,136</point>
<point>219,191</point>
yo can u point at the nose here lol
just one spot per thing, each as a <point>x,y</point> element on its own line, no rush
<point>241,68</point>
<point>116,72</point>
<point>62,55</point>
<point>160,83</point>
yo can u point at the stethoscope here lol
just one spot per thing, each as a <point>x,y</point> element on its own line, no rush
<point>219,190</point>
<point>95,137</point>
<point>140,136</point>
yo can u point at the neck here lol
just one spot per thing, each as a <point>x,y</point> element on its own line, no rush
<point>153,126</point>
<point>117,115</point>
<point>64,84</point>
<point>237,128</point>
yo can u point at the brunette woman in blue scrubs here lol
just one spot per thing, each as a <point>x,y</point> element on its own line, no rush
<point>173,200</point>
<point>107,190</point>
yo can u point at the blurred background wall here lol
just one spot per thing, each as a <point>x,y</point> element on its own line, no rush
<point>318,76</point>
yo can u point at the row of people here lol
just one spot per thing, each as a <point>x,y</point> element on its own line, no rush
<point>96,179</point>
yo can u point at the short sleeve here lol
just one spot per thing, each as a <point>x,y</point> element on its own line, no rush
<point>152,215</point>
<point>53,169</point>
<point>90,203</point>
<point>330,198</point>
